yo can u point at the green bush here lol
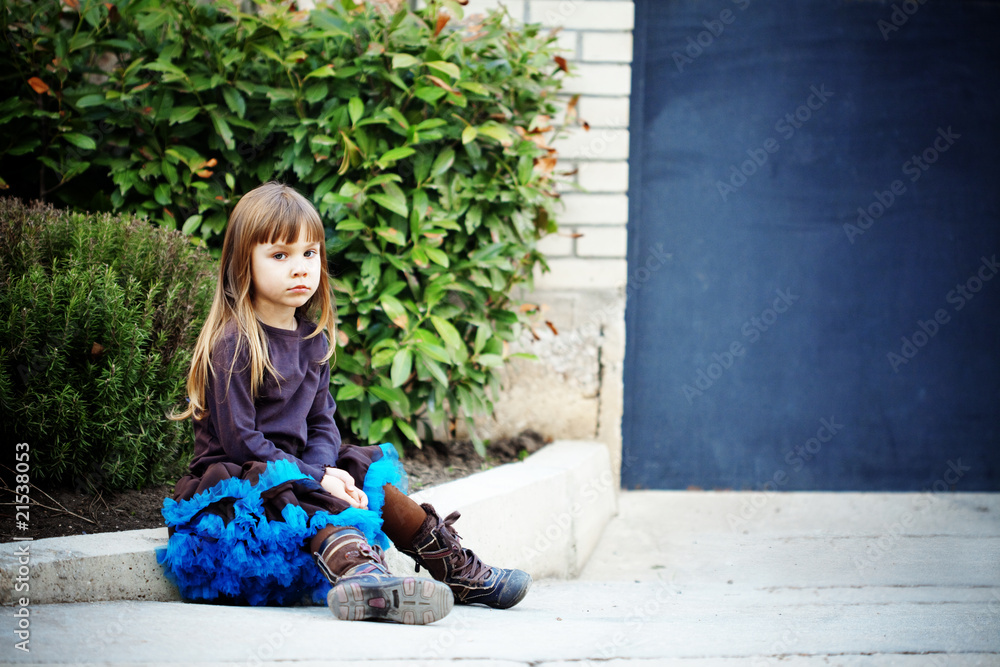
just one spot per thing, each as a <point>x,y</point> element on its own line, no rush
<point>422,141</point>
<point>98,315</point>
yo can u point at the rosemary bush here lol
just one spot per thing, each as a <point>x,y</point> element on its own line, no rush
<point>97,318</point>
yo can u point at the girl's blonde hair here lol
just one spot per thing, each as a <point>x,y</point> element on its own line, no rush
<point>270,213</point>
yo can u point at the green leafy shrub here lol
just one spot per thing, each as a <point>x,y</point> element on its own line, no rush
<point>421,140</point>
<point>97,317</point>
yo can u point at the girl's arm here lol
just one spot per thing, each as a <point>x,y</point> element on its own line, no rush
<point>234,415</point>
<point>323,439</point>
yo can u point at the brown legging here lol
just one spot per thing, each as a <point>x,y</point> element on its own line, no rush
<point>401,519</point>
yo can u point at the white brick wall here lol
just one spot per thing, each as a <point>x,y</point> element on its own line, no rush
<point>601,242</point>
<point>597,144</point>
<point>604,111</point>
<point>582,14</point>
<point>557,245</point>
<point>571,273</point>
<point>603,176</point>
<point>615,47</point>
<point>589,251</point>
<point>595,209</point>
<point>599,80</point>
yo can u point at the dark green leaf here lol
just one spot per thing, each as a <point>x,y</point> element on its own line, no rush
<point>80,140</point>
<point>403,60</point>
<point>402,363</point>
<point>395,310</point>
<point>234,101</point>
<point>90,101</point>
<point>183,114</point>
<point>356,108</point>
<point>443,162</point>
<point>349,392</point>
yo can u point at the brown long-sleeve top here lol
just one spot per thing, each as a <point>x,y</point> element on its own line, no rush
<point>291,419</point>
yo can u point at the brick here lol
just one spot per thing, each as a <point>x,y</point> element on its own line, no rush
<point>597,144</point>
<point>587,209</point>
<point>515,7</point>
<point>606,80</point>
<point>566,184</point>
<point>557,245</point>
<point>597,111</point>
<point>567,40</point>
<point>603,176</point>
<point>580,274</point>
<point>602,242</point>
<point>604,111</point>
<point>583,14</point>
<point>607,47</point>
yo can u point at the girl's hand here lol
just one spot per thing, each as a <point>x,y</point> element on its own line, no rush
<point>340,484</point>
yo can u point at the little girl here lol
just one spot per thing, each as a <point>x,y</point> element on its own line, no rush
<point>271,487</point>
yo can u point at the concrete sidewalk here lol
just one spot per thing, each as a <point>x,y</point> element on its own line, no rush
<point>678,578</point>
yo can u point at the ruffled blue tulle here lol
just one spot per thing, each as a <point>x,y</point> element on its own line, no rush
<point>257,561</point>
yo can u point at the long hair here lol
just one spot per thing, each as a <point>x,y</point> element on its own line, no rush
<point>270,213</point>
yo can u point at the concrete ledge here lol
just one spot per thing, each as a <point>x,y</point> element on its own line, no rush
<point>87,568</point>
<point>543,515</point>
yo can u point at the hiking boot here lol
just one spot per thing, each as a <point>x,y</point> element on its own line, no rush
<point>436,547</point>
<point>365,590</point>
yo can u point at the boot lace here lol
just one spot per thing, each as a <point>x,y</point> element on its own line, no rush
<point>465,562</point>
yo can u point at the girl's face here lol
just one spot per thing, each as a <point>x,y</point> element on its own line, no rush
<point>285,276</point>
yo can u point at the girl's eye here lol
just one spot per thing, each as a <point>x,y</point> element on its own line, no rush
<point>278,253</point>
<point>311,253</point>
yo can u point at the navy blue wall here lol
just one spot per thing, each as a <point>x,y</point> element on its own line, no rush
<point>770,346</point>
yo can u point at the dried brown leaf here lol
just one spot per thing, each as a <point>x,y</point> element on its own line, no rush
<point>38,85</point>
<point>442,21</point>
<point>441,84</point>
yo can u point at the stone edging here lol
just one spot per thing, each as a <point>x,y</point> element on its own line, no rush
<point>543,515</point>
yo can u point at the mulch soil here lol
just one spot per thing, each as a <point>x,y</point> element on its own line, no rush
<point>61,512</point>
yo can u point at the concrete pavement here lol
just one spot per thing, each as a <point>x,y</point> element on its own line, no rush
<point>678,578</point>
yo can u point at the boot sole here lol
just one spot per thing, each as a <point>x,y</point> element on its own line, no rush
<point>406,600</point>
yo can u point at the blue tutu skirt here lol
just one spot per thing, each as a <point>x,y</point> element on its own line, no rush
<point>244,539</point>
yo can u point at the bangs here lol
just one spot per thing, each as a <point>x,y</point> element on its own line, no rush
<point>287,215</point>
